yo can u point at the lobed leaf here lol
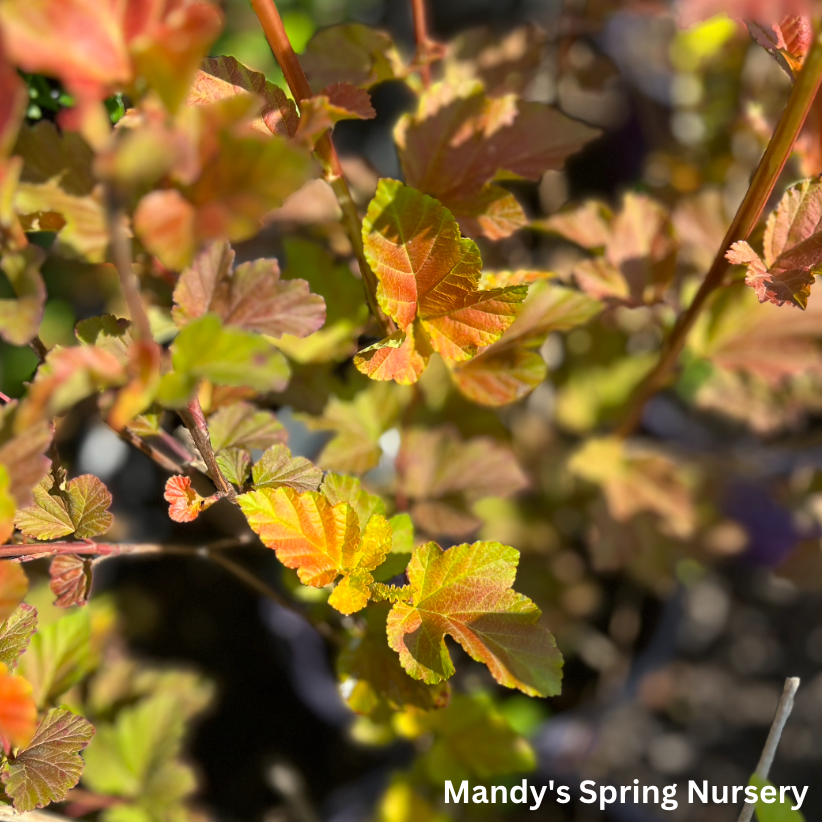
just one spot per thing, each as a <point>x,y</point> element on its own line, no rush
<point>46,769</point>
<point>792,248</point>
<point>243,425</point>
<point>466,592</point>
<point>460,140</point>
<point>184,503</point>
<point>79,508</point>
<point>339,101</point>
<point>221,77</point>
<point>337,488</point>
<point>251,296</point>
<point>322,541</point>
<point>16,633</point>
<point>428,283</point>
<point>18,713</point>
<point>277,468</point>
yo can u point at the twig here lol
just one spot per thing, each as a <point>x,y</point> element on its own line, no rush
<point>194,419</point>
<point>164,461</point>
<point>269,17</point>
<point>39,348</point>
<point>121,254</point>
<point>783,711</point>
<point>762,184</point>
<point>421,36</point>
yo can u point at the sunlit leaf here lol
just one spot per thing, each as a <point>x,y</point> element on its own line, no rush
<point>320,540</point>
<point>79,508</point>
<point>339,101</point>
<point>277,467</point>
<point>466,592</point>
<point>338,488</point>
<point>251,296</point>
<point>184,503</point>
<point>792,248</point>
<point>46,769</point>
<point>428,276</point>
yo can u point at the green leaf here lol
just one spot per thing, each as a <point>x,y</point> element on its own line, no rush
<point>235,463</point>
<point>372,680</point>
<point>50,766</point>
<point>16,633</point>
<point>776,811</point>
<point>277,467</point>
<point>243,425</point>
<point>59,656</point>
<point>206,350</point>
<point>473,739</point>
<point>136,756</point>
<point>81,508</point>
<point>466,592</point>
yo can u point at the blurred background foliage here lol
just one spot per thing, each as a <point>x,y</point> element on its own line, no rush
<point>679,617</point>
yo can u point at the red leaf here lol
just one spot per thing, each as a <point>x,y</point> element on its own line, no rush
<point>18,713</point>
<point>185,504</point>
<point>70,580</point>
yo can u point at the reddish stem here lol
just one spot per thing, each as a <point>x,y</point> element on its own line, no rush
<point>421,36</point>
<point>272,23</point>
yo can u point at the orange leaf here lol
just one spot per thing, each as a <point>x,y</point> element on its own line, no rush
<point>429,277</point>
<point>185,504</point>
<point>18,713</point>
<point>221,77</point>
<point>320,540</point>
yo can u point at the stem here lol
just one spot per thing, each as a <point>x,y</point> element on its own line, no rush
<point>194,419</point>
<point>783,711</point>
<point>164,461</point>
<point>121,254</point>
<point>762,184</point>
<point>39,348</point>
<point>421,36</point>
<point>269,17</point>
